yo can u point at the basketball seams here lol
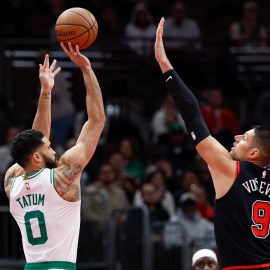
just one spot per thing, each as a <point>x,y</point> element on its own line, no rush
<point>81,17</point>
<point>91,32</point>
<point>77,19</point>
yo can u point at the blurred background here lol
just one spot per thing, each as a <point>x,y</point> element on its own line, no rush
<point>147,197</point>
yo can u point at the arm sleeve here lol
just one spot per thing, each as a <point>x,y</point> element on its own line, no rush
<point>187,105</point>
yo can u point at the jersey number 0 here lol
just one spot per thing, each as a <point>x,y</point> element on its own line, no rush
<point>42,239</point>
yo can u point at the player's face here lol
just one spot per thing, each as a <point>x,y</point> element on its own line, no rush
<point>205,263</point>
<point>48,154</point>
<point>242,145</point>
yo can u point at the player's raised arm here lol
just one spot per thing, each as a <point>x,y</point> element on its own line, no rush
<point>217,157</point>
<point>88,139</point>
<point>47,73</point>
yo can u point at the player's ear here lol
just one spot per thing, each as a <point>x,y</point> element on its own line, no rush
<point>37,157</point>
<point>254,153</point>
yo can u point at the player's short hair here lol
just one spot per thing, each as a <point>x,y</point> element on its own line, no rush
<point>262,140</point>
<point>24,144</point>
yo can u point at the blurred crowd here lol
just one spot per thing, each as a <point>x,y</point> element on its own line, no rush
<point>243,23</point>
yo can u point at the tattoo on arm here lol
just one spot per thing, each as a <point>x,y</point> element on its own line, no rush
<point>64,183</point>
<point>7,184</point>
<point>47,95</point>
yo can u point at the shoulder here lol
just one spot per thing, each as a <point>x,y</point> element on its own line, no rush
<point>14,171</point>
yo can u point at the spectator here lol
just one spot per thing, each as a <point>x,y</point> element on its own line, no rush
<point>205,178</point>
<point>6,160</point>
<point>176,147</point>
<point>248,32</point>
<point>5,157</point>
<point>188,227</point>
<point>261,113</point>
<point>220,119</point>
<point>204,259</point>
<point>203,206</point>
<point>140,31</point>
<point>157,178</point>
<point>181,32</point>
<point>163,118</point>
<point>123,179</point>
<point>93,207</point>
<point>166,166</point>
<point>129,148</point>
<point>157,212</point>
<point>55,7</point>
<point>187,181</point>
<point>110,23</point>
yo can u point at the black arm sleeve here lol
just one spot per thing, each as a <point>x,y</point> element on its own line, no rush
<point>187,105</point>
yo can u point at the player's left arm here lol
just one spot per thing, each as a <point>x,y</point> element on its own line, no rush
<point>14,171</point>
<point>47,73</point>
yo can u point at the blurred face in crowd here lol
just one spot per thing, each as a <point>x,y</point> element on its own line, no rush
<point>148,194</point>
<point>126,148</point>
<point>11,134</point>
<point>251,16</point>
<point>215,98</point>
<point>188,179</point>
<point>142,18</point>
<point>189,208</point>
<point>157,179</point>
<point>178,13</point>
<point>118,162</point>
<point>200,194</point>
<point>106,174</point>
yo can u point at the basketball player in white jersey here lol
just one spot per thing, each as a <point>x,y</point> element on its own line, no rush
<point>44,193</point>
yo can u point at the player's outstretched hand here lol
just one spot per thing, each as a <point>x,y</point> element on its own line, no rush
<point>47,73</point>
<point>75,56</point>
<point>160,53</point>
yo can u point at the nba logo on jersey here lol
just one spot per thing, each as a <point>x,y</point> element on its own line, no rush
<point>193,135</point>
<point>263,174</point>
<point>27,186</point>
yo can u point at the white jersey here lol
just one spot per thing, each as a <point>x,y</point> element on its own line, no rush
<point>49,225</point>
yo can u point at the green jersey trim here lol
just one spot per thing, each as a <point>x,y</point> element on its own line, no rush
<point>51,265</point>
<point>52,176</point>
<point>32,175</point>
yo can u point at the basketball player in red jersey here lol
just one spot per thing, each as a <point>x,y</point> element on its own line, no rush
<point>241,178</point>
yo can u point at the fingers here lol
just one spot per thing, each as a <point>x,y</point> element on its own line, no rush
<point>56,71</point>
<point>70,48</point>
<point>160,27</point>
<point>64,47</point>
<point>46,61</point>
<point>53,65</point>
<point>77,49</point>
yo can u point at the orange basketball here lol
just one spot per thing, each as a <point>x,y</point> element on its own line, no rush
<point>77,26</point>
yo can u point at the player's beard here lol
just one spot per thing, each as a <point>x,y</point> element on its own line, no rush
<point>49,162</point>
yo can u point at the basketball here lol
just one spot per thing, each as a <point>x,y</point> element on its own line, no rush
<point>77,26</point>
